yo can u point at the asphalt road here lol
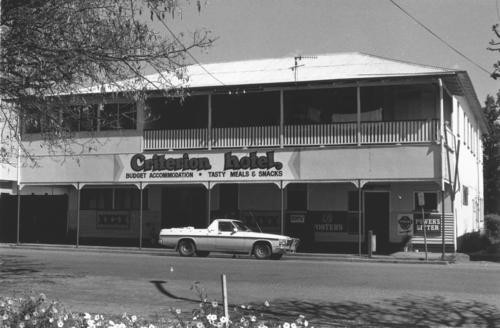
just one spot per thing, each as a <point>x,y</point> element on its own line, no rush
<point>465,294</point>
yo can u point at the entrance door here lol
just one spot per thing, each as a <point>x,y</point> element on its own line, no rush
<point>184,206</point>
<point>376,211</point>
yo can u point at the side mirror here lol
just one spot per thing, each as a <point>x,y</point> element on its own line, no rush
<point>235,230</point>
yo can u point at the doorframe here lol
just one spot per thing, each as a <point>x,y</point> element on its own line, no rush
<point>365,233</point>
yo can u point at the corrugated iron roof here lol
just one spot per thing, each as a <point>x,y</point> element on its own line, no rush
<point>341,66</point>
<point>329,67</point>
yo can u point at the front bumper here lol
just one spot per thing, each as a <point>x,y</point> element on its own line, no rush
<point>290,246</point>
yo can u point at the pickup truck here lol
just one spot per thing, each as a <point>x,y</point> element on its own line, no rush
<point>227,236</point>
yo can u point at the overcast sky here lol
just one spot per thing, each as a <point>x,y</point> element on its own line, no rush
<point>253,29</point>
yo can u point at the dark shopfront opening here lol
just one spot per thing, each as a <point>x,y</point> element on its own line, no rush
<point>377,219</point>
<point>43,219</point>
<point>184,206</point>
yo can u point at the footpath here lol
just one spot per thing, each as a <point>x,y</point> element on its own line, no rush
<point>398,257</point>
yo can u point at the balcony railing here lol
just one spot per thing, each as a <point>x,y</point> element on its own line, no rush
<point>248,136</point>
<point>330,134</point>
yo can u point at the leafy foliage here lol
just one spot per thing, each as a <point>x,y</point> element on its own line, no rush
<point>491,155</point>
<point>492,222</point>
<point>52,49</point>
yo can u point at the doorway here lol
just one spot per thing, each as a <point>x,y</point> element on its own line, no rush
<point>184,206</point>
<point>376,209</point>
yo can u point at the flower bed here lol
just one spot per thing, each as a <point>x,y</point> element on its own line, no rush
<point>37,312</point>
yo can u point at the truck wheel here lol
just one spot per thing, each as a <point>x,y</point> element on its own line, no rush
<point>186,248</point>
<point>262,251</point>
<point>276,256</point>
<point>202,253</point>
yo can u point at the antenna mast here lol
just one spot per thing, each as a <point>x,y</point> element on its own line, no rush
<point>296,65</point>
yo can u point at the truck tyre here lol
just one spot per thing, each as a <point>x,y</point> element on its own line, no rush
<point>186,248</point>
<point>202,253</point>
<point>262,251</point>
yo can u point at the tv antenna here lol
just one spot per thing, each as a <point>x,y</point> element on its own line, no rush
<point>296,65</point>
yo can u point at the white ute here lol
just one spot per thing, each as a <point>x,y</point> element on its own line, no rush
<point>227,236</point>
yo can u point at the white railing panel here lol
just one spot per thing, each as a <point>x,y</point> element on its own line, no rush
<point>175,139</point>
<point>245,136</point>
<point>399,132</point>
<point>320,134</point>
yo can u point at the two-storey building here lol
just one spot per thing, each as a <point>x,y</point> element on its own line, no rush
<point>324,149</point>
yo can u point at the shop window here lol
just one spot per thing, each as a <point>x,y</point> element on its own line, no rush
<point>430,200</point>
<point>297,197</point>
<point>465,196</point>
<point>113,199</point>
<point>117,116</point>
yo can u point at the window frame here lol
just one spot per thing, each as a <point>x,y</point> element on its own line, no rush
<point>438,200</point>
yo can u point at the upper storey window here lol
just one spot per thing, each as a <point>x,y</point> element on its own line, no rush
<point>78,118</point>
<point>117,117</point>
<point>177,113</point>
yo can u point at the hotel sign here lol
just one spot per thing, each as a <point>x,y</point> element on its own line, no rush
<point>205,167</point>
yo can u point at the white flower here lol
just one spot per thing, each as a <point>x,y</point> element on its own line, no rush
<point>86,316</point>
<point>111,323</point>
<point>5,317</point>
<point>54,310</point>
<point>200,325</point>
<point>21,325</point>
<point>266,303</point>
<point>293,325</point>
<point>261,325</point>
<point>151,326</point>
<point>27,317</point>
<point>178,311</point>
<point>214,304</point>
<point>65,317</point>
<point>96,317</point>
<point>9,302</point>
<point>133,318</point>
<point>35,314</point>
<point>51,320</point>
<point>224,319</point>
<point>286,325</point>
<point>211,317</point>
<point>253,318</point>
<point>242,306</point>
<point>306,323</point>
<point>60,324</point>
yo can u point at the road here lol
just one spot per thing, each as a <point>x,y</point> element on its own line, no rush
<point>375,293</point>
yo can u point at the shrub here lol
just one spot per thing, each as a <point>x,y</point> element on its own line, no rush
<point>492,224</point>
<point>473,242</point>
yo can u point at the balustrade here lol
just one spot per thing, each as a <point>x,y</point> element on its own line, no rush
<point>329,134</point>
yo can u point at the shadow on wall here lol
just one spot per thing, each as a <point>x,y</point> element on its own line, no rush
<point>410,311</point>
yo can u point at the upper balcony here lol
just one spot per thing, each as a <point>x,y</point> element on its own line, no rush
<point>348,116</point>
<point>330,134</point>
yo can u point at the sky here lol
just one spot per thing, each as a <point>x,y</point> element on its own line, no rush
<point>256,29</point>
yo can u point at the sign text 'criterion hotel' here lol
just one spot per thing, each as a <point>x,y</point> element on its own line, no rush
<point>207,167</point>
